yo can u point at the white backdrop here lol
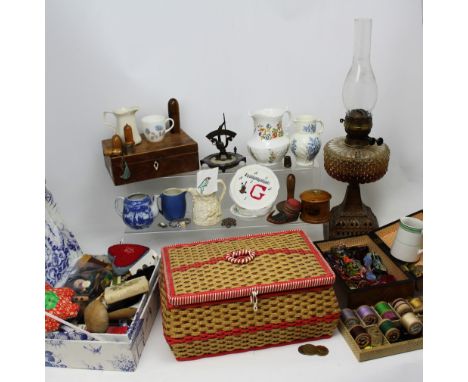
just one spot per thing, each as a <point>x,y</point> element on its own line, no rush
<point>215,57</point>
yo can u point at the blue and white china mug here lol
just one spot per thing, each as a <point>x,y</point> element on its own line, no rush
<point>155,127</point>
<point>137,210</point>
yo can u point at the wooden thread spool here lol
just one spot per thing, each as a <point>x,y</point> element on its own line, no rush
<point>416,303</point>
<point>360,335</point>
<point>391,333</point>
<point>367,315</point>
<point>411,323</point>
<point>349,318</point>
<point>382,307</point>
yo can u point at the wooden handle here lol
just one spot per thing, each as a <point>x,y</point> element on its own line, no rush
<point>290,185</point>
<point>121,314</point>
<point>173,112</point>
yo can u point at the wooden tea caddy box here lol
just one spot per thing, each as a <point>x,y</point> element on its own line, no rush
<point>175,154</point>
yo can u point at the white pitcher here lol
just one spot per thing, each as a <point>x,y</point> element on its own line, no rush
<point>207,208</point>
<point>269,143</point>
<point>124,116</point>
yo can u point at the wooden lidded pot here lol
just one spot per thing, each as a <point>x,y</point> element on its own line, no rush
<point>315,206</point>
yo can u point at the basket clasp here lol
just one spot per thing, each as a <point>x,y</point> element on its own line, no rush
<point>254,300</point>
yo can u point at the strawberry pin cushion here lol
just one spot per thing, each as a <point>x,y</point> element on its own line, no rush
<point>58,301</point>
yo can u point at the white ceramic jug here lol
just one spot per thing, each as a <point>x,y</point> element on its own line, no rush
<point>269,143</point>
<point>124,116</point>
<point>207,208</point>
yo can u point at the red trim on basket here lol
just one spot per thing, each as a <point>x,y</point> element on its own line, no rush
<point>253,348</point>
<point>227,294</point>
<point>252,329</point>
<point>246,299</point>
<point>215,260</point>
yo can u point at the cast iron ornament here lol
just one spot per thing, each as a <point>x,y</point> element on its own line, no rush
<point>223,159</point>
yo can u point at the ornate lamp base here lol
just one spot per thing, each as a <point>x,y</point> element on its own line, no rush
<point>351,217</point>
<point>354,165</point>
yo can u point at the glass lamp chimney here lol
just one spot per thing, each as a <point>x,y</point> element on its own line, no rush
<point>360,87</point>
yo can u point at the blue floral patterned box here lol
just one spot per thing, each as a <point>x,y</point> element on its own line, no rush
<point>122,352</point>
<point>73,349</point>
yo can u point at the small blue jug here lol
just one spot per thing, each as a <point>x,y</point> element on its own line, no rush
<point>137,210</point>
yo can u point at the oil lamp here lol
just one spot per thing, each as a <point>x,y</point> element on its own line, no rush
<point>356,158</point>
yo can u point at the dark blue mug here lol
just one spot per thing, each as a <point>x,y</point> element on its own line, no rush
<point>173,203</point>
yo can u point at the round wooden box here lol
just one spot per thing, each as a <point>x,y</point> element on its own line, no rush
<point>315,206</point>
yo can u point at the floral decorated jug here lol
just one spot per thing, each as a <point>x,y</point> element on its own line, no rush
<point>207,208</point>
<point>269,143</point>
<point>305,142</point>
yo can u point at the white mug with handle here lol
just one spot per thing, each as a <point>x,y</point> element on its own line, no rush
<point>154,127</point>
<point>407,245</point>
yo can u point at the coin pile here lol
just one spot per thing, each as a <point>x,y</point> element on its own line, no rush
<point>309,349</point>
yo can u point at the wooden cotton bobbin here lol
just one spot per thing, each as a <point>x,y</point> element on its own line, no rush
<point>360,335</point>
<point>411,323</point>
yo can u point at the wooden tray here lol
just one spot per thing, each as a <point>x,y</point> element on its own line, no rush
<point>386,348</point>
<point>381,351</point>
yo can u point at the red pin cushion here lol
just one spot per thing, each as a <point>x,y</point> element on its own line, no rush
<point>123,256</point>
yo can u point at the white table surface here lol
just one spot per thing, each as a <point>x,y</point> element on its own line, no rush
<point>283,363</point>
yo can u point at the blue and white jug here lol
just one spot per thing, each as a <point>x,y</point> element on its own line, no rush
<point>305,142</point>
<point>137,210</point>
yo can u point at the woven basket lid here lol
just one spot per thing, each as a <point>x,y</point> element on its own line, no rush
<point>201,272</point>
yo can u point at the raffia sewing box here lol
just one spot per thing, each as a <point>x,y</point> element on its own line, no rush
<point>245,293</point>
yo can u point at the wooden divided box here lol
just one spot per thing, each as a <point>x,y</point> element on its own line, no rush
<point>352,298</point>
<point>384,237</point>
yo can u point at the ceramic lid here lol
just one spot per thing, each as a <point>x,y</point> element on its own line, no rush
<point>315,196</point>
<point>254,187</point>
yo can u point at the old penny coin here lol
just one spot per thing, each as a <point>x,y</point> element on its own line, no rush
<point>321,350</point>
<point>307,349</point>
